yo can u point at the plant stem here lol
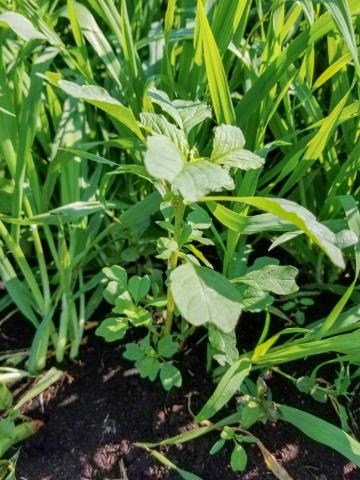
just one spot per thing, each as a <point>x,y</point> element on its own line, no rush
<point>21,432</point>
<point>188,333</point>
<point>179,214</point>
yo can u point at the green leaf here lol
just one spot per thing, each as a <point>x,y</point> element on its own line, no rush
<point>159,125</point>
<point>90,156</point>
<point>226,389</point>
<point>346,238</point>
<point>98,41</point>
<point>167,347</point>
<point>162,159</point>
<point>193,180</point>
<point>6,398</point>
<point>72,212</point>
<point>218,445</point>
<point>165,246</point>
<point>21,26</point>
<point>205,296</point>
<point>199,178</point>
<point>340,13</point>
<point>322,432</point>
<point>165,461</point>
<point>298,216</point>
<point>117,274</point>
<point>100,98</point>
<point>308,8</point>
<point>251,413</point>
<point>170,376</point>
<point>186,113</point>
<point>139,317</point>
<point>228,149</point>
<point>192,113</point>
<point>123,303</point>
<point>272,278</point>
<point>238,459</point>
<point>112,329</point>
<point>133,352</point>
<point>254,300</point>
<point>217,80</point>
<point>223,345</point>
<point>198,218</point>
<point>7,427</point>
<point>162,99</point>
<point>148,367</point>
<point>345,343</point>
<point>139,287</point>
<point>112,291</point>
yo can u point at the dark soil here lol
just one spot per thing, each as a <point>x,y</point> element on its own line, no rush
<point>101,408</point>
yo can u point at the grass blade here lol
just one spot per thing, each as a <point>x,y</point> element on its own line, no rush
<point>218,86</point>
<point>322,432</point>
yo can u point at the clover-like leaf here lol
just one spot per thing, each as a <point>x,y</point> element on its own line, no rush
<point>133,352</point>
<point>139,317</point>
<point>112,329</point>
<point>117,274</point>
<point>139,287</point>
<point>112,291</point>
<point>167,347</point>
<point>170,376</point>
<point>148,367</point>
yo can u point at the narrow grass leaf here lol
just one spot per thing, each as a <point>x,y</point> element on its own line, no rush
<point>165,461</point>
<point>340,13</point>
<point>41,384</point>
<point>226,389</point>
<point>322,432</point>
<point>217,81</point>
<point>298,216</point>
<point>273,465</point>
<point>21,26</point>
<point>346,343</point>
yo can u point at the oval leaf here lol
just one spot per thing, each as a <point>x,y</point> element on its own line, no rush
<point>205,296</point>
